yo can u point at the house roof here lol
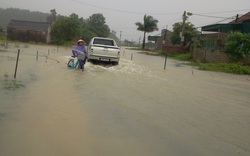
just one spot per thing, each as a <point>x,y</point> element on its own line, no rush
<point>28,25</point>
<point>235,25</point>
<point>221,27</point>
<point>243,18</point>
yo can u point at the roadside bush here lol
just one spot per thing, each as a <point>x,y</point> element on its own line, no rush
<point>238,45</point>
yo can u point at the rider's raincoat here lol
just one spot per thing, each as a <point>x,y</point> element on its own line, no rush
<point>81,54</point>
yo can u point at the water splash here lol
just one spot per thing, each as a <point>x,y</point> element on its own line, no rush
<point>125,67</point>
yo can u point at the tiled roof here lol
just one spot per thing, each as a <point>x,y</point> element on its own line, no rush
<point>29,25</point>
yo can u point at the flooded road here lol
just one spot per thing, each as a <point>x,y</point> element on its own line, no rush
<point>133,109</point>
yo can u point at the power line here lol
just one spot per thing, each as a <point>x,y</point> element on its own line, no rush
<point>226,11</point>
<point>100,7</point>
<point>213,16</point>
<point>222,18</point>
<point>119,10</point>
<point>134,12</point>
<point>155,13</point>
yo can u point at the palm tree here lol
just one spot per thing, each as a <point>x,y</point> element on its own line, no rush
<point>149,25</point>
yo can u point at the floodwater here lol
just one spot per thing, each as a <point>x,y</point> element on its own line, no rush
<point>134,109</point>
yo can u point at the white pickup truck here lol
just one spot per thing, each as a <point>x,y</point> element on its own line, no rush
<point>103,49</point>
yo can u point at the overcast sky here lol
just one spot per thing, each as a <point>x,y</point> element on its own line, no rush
<point>121,15</point>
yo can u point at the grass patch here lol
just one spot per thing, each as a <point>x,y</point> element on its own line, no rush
<point>139,49</point>
<point>161,52</point>
<point>177,56</point>
<point>182,57</point>
<point>234,68</point>
<point>3,37</point>
<point>9,83</point>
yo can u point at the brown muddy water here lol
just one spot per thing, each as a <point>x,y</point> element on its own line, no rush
<point>133,109</point>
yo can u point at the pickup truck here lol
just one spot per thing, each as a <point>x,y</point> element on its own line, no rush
<point>103,49</point>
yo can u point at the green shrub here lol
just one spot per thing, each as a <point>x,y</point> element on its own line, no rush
<point>238,45</point>
<point>197,44</point>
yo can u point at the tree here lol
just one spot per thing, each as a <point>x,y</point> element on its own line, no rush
<point>189,32</point>
<point>52,16</point>
<point>72,28</point>
<point>66,29</point>
<point>97,24</point>
<point>149,25</point>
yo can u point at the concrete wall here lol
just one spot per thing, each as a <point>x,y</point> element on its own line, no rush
<point>215,56</point>
<point>204,55</point>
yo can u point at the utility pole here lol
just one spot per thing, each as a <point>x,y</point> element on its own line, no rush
<point>139,41</point>
<point>120,38</point>
<point>164,38</point>
<point>184,18</point>
<point>237,17</point>
<point>165,35</point>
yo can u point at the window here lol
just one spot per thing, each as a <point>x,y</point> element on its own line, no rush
<point>103,42</point>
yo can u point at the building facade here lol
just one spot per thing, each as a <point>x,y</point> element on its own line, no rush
<point>28,31</point>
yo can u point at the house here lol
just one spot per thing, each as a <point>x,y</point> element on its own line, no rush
<point>161,41</point>
<point>241,24</point>
<point>214,39</point>
<point>26,31</point>
<point>215,36</point>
